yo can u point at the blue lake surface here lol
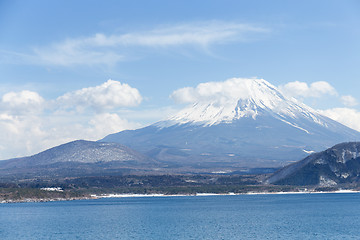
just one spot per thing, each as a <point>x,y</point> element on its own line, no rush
<point>294,216</point>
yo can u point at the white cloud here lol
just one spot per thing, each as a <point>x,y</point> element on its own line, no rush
<point>149,114</point>
<point>27,135</point>
<point>185,95</point>
<point>20,135</point>
<point>349,101</point>
<point>107,123</point>
<point>230,89</point>
<point>108,49</point>
<point>109,95</point>
<point>30,124</point>
<point>22,102</point>
<point>303,90</point>
<point>68,126</point>
<point>347,116</point>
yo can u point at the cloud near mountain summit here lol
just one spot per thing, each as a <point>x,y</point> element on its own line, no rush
<point>219,91</point>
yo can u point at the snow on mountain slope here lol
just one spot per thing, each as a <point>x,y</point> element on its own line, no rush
<point>255,96</point>
<point>242,122</point>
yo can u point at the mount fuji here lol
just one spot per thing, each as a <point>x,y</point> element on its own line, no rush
<point>253,125</point>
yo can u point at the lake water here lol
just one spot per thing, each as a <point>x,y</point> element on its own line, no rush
<point>294,216</point>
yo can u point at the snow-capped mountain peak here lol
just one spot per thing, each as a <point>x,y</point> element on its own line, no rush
<point>238,98</point>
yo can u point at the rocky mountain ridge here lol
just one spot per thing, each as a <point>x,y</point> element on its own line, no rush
<point>339,164</point>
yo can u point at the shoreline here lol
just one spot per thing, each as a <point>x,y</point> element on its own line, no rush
<point>215,194</point>
<point>131,195</point>
<point>41,200</point>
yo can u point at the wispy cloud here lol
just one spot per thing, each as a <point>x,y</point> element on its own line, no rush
<point>349,101</point>
<point>201,34</point>
<point>109,49</point>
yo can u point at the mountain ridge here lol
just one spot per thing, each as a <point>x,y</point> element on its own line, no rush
<point>339,164</point>
<point>78,157</point>
<point>255,125</point>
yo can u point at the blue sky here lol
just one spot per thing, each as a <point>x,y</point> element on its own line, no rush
<point>57,57</point>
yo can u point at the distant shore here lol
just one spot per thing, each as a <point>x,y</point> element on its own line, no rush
<point>215,194</point>
<point>33,200</point>
<point>134,195</point>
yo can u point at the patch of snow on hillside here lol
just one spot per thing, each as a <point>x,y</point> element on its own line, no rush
<point>326,182</point>
<point>308,152</point>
